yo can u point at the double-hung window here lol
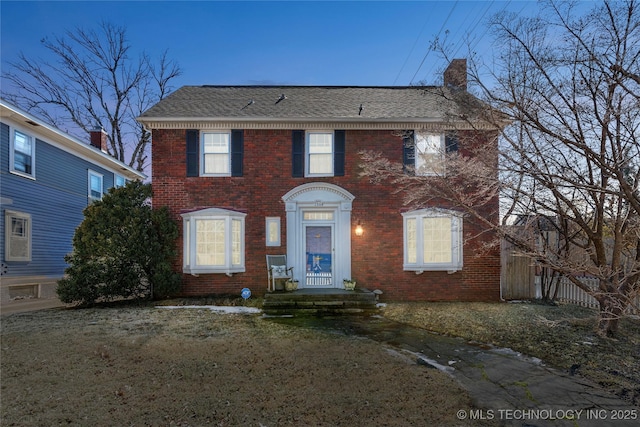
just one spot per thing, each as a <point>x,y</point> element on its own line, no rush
<point>95,186</point>
<point>319,154</point>
<point>17,227</point>
<point>425,152</point>
<point>429,154</point>
<point>432,240</point>
<point>216,154</point>
<point>213,241</point>
<point>22,154</point>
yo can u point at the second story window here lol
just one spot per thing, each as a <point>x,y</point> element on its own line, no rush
<point>429,154</point>
<point>120,181</point>
<point>424,153</point>
<point>216,154</point>
<point>320,154</point>
<point>22,154</point>
<point>211,153</point>
<point>95,186</point>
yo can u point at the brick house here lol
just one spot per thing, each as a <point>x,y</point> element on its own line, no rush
<point>256,170</point>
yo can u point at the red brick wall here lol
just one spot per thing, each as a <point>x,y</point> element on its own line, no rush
<point>377,257</point>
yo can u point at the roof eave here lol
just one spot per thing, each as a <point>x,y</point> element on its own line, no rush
<point>369,123</point>
<point>71,143</point>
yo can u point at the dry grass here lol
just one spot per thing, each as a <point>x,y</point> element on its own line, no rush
<point>562,336</point>
<point>138,365</point>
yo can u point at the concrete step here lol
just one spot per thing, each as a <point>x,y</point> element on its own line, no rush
<point>320,302</point>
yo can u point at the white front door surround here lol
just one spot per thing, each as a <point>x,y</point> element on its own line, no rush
<point>329,205</point>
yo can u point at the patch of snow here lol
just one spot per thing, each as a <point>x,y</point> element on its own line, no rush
<point>507,351</point>
<point>422,360</point>
<point>216,308</point>
<point>516,354</point>
<point>381,304</point>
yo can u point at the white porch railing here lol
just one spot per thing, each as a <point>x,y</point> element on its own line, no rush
<point>318,279</point>
<point>570,293</point>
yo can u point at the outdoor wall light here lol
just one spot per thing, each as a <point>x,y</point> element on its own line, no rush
<point>359,229</point>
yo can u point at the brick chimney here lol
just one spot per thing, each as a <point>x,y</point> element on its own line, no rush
<point>455,76</point>
<point>99,139</point>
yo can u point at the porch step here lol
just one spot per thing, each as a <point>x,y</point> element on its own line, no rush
<point>320,302</point>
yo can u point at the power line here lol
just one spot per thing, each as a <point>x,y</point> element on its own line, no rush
<point>473,25</point>
<point>437,37</point>
<point>411,51</point>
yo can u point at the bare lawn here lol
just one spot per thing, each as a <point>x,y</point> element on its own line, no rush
<point>144,366</point>
<point>129,365</point>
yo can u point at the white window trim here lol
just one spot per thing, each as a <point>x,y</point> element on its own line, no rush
<point>189,241</point>
<point>12,139</point>
<point>202,153</point>
<point>99,175</point>
<point>419,266</point>
<point>8,215</point>
<point>307,154</point>
<point>115,181</point>
<point>272,221</point>
<point>442,152</point>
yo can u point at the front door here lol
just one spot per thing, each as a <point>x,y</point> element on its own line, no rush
<point>319,234</point>
<point>319,256</point>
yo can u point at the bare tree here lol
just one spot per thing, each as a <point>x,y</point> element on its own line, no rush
<point>567,83</point>
<point>94,82</point>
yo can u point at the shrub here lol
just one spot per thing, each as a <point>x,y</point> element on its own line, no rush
<point>123,248</point>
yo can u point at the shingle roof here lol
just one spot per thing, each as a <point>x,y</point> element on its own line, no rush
<point>304,103</point>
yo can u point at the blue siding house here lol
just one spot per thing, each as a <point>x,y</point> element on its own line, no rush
<point>47,178</point>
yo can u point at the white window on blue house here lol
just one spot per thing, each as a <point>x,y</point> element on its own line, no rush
<point>17,244</point>
<point>216,154</point>
<point>432,240</point>
<point>120,181</point>
<point>319,154</point>
<point>213,241</point>
<point>95,186</point>
<point>22,154</point>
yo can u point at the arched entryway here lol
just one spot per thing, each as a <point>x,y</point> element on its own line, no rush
<point>319,234</point>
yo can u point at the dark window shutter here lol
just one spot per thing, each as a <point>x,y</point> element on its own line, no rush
<point>451,142</point>
<point>338,153</point>
<point>237,151</point>
<point>408,152</point>
<point>297,158</point>
<point>193,152</point>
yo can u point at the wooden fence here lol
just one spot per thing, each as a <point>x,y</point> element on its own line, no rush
<point>570,293</point>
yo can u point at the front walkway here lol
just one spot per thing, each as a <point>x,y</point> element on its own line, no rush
<point>505,386</point>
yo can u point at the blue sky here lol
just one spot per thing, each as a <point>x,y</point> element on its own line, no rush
<point>365,43</point>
